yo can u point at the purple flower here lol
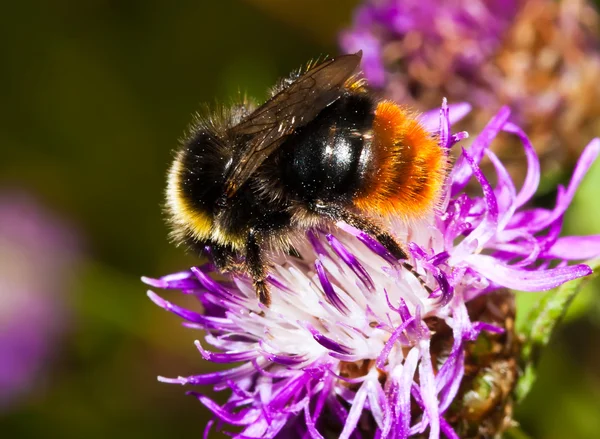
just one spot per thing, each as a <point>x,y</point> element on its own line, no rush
<point>36,254</point>
<point>432,38</point>
<point>350,346</point>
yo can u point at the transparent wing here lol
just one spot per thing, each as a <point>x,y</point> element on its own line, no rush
<point>269,125</point>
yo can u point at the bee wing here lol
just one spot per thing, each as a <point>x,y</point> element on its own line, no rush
<point>294,106</point>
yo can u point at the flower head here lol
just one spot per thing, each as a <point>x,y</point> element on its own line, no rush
<point>352,341</point>
<point>36,252</point>
<point>540,57</point>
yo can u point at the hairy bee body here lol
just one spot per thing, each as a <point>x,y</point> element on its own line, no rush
<point>353,159</point>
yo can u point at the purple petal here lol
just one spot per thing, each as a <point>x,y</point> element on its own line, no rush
<point>444,132</point>
<point>213,286</point>
<point>448,430</point>
<point>456,112</point>
<point>225,357</point>
<point>328,383</point>
<point>207,429</point>
<point>183,280</point>
<point>316,243</point>
<point>589,155</point>
<point>483,326</point>
<point>462,172</point>
<point>428,391</point>
<point>385,352</point>
<point>405,383</point>
<point>310,424</point>
<point>532,180</point>
<point>455,371</point>
<point>373,245</point>
<point>488,227</point>
<point>505,192</point>
<point>243,417</point>
<point>289,390</point>
<point>457,137</point>
<point>523,280</point>
<point>450,374</point>
<point>376,401</point>
<point>327,342</point>
<point>355,412</point>
<point>575,248</point>
<point>333,297</point>
<point>278,284</point>
<point>191,316</point>
<point>213,378</point>
<point>351,261</point>
<point>285,360</point>
<point>445,288</point>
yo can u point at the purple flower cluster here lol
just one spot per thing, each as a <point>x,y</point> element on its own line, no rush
<point>36,253</point>
<point>345,349</point>
<point>467,32</point>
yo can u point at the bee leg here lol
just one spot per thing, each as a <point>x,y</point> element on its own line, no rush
<point>257,268</point>
<point>335,213</point>
<point>384,238</point>
<point>225,259</point>
<point>293,252</point>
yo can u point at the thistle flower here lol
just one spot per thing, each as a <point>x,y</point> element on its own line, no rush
<point>540,57</point>
<point>36,252</point>
<point>354,346</point>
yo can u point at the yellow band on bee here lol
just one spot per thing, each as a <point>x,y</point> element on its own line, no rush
<point>183,215</point>
<point>191,220</point>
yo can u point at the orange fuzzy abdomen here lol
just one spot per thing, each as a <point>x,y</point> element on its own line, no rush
<point>408,166</point>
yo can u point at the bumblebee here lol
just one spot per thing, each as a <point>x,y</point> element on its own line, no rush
<point>323,149</point>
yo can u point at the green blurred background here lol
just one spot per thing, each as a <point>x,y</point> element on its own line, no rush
<point>95,95</point>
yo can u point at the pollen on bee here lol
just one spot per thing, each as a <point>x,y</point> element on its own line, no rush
<point>409,166</point>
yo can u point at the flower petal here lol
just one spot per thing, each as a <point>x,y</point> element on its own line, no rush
<point>456,112</point>
<point>575,248</point>
<point>526,280</point>
<point>462,171</point>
